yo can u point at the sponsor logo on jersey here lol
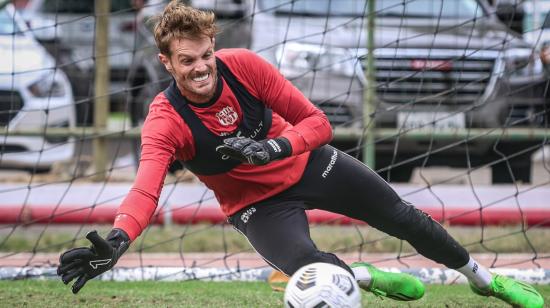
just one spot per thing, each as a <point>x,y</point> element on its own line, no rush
<point>227,116</point>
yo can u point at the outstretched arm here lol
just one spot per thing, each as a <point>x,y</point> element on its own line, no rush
<point>161,136</point>
<point>158,150</point>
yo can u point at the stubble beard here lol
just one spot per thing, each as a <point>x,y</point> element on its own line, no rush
<point>198,96</point>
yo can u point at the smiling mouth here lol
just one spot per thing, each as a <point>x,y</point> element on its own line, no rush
<point>201,77</point>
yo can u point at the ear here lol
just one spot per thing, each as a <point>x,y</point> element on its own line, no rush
<point>166,62</point>
<point>213,43</point>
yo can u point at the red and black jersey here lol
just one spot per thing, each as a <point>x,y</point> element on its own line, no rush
<point>255,124</point>
<point>166,136</point>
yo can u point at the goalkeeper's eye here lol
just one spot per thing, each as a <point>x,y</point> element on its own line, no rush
<point>186,61</point>
<point>208,55</point>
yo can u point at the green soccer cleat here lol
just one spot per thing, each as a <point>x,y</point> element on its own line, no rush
<point>398,286</point>
<point>515,293</point>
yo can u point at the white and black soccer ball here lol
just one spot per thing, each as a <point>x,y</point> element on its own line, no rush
<point>322,285</point>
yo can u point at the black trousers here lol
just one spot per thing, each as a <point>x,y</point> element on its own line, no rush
<point>278,229</point>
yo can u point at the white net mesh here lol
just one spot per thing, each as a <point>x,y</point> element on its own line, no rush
<point>440,97</point>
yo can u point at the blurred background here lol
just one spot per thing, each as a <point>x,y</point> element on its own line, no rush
<point>446,100</point>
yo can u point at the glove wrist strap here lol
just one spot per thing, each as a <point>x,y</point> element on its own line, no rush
<point>118,239</point>
<point>279,148</point>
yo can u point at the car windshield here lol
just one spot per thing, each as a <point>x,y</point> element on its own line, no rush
<point>7,23</point>
<point>81,6</point>
<point>386,8</point>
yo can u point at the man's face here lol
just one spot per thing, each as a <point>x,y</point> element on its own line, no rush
<point>193,66</point>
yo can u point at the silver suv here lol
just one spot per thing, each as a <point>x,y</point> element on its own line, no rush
<point>439,65</point>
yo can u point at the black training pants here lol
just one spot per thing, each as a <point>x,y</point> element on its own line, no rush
<point>333,181</point>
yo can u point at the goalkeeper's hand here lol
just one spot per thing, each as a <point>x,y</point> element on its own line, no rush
<point>85,263</point>
<point>255,152</point>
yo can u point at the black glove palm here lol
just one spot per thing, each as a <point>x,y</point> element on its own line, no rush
<point>255,152</point>
<point>89,262</point>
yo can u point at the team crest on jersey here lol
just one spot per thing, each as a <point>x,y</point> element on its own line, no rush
<point>227,116</point>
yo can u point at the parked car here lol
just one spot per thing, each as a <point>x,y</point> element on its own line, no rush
<point>439,65</point>
<point>449,67</point>
<point>73,25</point>
<point>34,94</point>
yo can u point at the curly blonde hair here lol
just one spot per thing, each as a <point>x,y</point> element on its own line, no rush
<point>181,21</point>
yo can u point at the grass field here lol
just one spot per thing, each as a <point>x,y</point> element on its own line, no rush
<point>48,293</point>
<point>215,238</point>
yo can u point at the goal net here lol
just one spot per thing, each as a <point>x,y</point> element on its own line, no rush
<point>446,100</point>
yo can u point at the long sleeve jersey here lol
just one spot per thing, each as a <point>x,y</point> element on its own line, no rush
<point>166,137</point>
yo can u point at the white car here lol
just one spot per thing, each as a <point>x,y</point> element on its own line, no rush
<point>73,23</point>
<point>34,94</point>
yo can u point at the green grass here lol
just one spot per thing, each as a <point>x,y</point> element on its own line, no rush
<point>215,238</point>
<point>48,293</point>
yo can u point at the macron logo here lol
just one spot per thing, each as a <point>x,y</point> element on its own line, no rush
<point>96,263</point>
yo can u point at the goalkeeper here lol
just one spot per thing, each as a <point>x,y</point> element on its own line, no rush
<point>261,146</point>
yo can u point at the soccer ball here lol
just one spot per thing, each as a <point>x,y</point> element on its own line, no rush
<point>322,285</point>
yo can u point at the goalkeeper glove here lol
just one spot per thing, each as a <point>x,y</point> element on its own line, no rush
<point>85,263</point>
<point>255,152</point>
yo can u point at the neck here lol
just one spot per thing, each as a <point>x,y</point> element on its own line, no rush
<point>195,98</point>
